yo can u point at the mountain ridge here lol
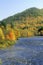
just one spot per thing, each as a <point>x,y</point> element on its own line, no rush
<point>31,12</point>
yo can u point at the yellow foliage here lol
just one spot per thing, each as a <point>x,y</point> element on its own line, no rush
<point>41,32</point>
<point>22,25</point>
<point>8,26</point>
<point>1,34</point>
<point>17,33</point>
<point>30,34</point>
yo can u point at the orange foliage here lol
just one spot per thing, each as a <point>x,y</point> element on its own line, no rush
<point>11,35</point>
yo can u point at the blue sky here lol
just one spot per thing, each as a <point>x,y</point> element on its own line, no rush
<point>11,7</point>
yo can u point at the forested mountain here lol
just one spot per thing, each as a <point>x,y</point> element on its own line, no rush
<point>25,24</point>
<point>31,12</point>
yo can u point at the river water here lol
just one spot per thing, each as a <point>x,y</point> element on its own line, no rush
<point>26,51</point>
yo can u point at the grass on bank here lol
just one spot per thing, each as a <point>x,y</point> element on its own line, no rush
<point>6,43</point>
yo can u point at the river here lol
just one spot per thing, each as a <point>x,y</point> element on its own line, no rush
<point>26,51</point>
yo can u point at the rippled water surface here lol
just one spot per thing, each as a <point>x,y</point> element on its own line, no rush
<point>26,51</point>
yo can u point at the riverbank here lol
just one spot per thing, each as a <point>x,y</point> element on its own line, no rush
<point>7,43</point>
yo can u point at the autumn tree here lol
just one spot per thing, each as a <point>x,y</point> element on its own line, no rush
<point>2,34</point>
<point>10,35</point>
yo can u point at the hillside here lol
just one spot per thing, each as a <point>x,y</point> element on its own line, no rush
<point>31,12</point>
<point>25,24</point>
<point>32,17</point>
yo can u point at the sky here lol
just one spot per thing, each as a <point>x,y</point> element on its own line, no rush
<point>11,7</point>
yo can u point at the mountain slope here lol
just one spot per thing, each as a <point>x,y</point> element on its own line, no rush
<point>31,12</point>
<point>25,24</point>
<point>30,20</point>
